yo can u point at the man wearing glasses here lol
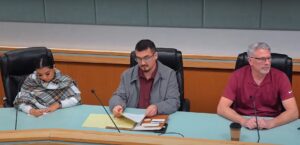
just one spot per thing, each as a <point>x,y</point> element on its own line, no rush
<point>258,83</point>
<point>149,85</point>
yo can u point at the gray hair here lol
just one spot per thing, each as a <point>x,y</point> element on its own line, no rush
<point>258,45</point>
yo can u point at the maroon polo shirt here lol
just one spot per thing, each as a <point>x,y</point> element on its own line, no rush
<point>268,96</point>
<point>145,88</point>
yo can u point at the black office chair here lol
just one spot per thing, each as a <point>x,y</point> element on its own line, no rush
<point>16,65</point>
<point>172,58</point>
<point>279,61</point>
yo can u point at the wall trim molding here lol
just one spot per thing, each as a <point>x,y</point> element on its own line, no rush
<point>122,57</point>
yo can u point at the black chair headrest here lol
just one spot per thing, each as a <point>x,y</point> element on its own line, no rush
<point>167,56</point>
<point>23,61</point>
<point>279,61</point>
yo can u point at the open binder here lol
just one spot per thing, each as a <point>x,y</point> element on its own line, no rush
<point>156,123</point>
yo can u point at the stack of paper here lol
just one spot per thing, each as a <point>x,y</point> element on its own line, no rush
<point>152,123</point>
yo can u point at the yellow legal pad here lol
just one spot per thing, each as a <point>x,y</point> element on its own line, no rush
<point>102,121</point>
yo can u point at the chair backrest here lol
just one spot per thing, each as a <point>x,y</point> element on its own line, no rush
<point>16,65</point>
<point>279,61</point>
<point>172,58</point>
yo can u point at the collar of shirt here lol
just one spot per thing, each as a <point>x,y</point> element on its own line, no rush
<point>142,75</point>
<point>250,79</point>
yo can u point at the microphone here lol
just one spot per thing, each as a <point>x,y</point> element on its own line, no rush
<point>17,108</point>
<point>16,121</point>
<point>255,113</point>
<point>94,92</point>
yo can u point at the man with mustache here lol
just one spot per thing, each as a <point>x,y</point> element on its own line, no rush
<point>259,83</point>
<point>149,85</point>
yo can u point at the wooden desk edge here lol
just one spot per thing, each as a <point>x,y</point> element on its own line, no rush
<point>104,137</point>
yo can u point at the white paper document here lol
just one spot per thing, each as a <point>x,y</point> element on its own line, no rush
<point>137,118</point>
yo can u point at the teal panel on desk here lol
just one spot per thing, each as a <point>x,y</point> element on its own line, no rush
<point>190,124</point>
<point>175,13</point>
<point>281,14</point>
<point>22,11</point>
<point>70,11</point>
<point>122,12</point>
<point>232,14</point>
<point>7,118</point>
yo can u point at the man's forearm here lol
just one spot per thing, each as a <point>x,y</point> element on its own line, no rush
<point>231,115</point>
<point>283,118</point>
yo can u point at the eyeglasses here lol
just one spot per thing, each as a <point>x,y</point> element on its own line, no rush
<point>145,59</point>
<point>262,59</point>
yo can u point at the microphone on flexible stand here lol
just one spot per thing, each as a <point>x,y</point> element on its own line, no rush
<point>255,113</point>
<point>17,108</point>
<point>16,121</point>
<point>94,92</point>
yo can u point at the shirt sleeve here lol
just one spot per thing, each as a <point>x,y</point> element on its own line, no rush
<point>69,102</point>
<point>119,96</point>
<point>72,101</point>
<point>285,88</point>
<point>25,108</point>
<point>231,87</point>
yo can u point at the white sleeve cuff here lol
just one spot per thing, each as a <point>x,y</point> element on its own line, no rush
<point>69,102</point>
<point>25,108</point>
<point>75,89</point>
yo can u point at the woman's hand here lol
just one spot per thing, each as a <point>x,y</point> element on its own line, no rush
<point>37,112</point>
<point>53,107</point>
